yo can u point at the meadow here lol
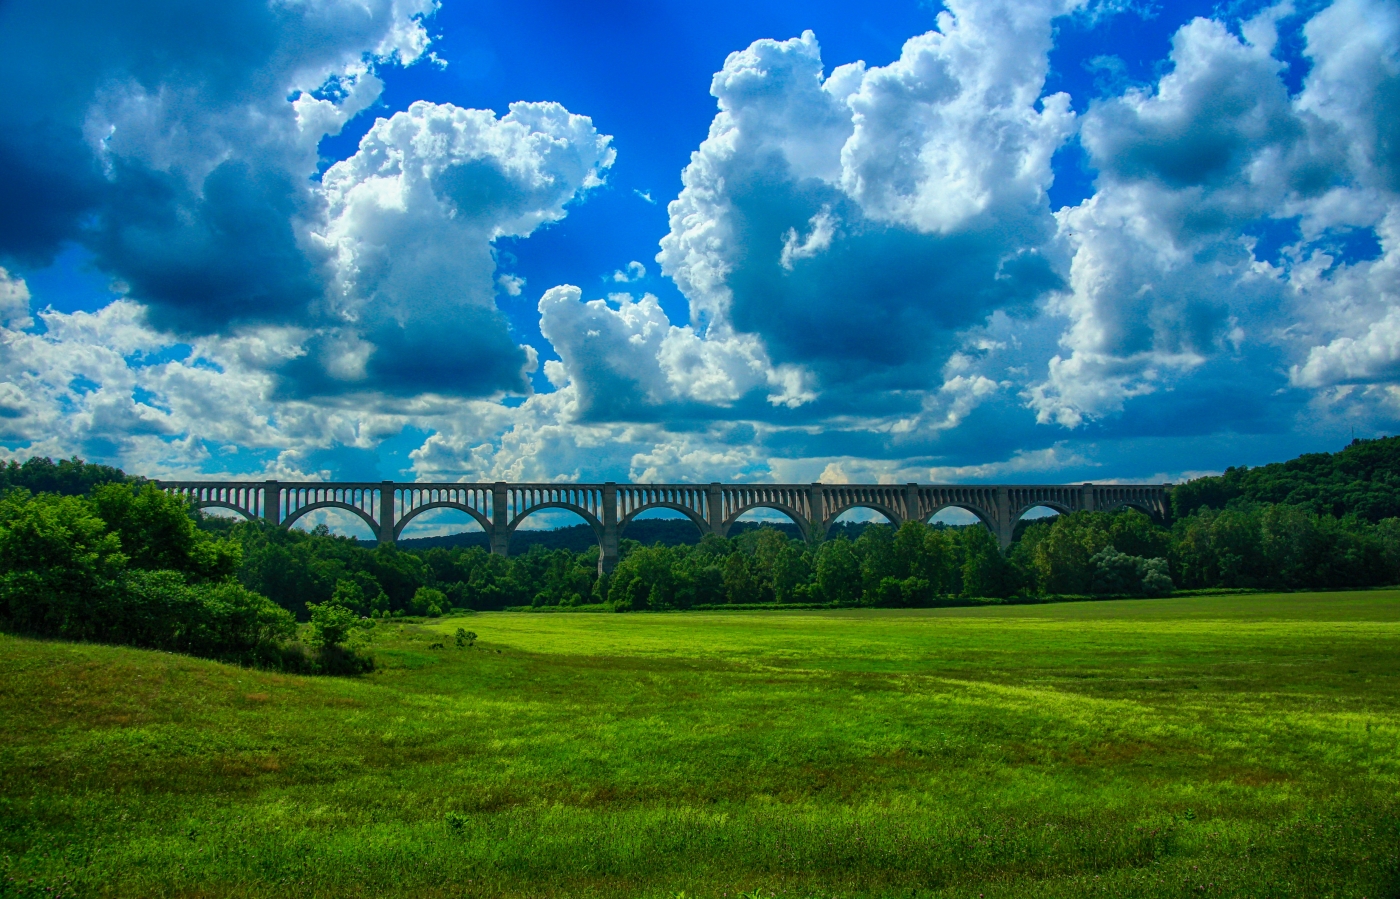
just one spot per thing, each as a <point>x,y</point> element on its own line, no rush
<point>1216,746</point>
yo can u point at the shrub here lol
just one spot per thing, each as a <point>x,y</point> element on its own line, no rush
<point>338,635</point>
<point>428,601</point>
<point>1117,573</point>
<point>225,620</point>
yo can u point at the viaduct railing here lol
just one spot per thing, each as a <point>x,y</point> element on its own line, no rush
<point>500,508</point>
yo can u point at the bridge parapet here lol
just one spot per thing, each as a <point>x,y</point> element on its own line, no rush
<point>500,508</point>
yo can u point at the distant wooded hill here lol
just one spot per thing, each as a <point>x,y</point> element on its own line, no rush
<point>579,537</point>
<point>1363,479</point>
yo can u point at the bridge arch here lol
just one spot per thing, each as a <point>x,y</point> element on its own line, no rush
<point>1132,504</point>
<point>220,504</point>
<point>1060,508</point>
<point>893,517</point>
<point>589,518</point>
<point>441,504</point>
<point>691,514</point>
<point>330,504</point>
<point>804,527</point>
<point>982,515</point>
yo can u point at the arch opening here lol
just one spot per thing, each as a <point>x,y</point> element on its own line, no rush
<point>959,515</point>
<point>553,526</point>
<point>1040,513</point>
<point>1136,507</point>
<point>442,524</point>
<point>222,510</point>
<point>954,517</point>
<point>666,523</point>
<point>772,515</point>
<point>334,519</point>
<point>851,520</point>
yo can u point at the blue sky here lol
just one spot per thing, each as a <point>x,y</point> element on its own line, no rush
<point>1001,240</point>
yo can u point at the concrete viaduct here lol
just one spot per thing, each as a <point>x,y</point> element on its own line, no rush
<point>500,508</point>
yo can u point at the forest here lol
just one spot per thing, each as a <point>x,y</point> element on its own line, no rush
<point>89,553</point>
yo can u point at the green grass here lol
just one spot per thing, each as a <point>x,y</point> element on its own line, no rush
<point>1217,746</point>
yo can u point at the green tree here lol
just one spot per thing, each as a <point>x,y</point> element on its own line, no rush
<point>67,477</point>
<point>985,571</point>
<point>158,533</point>
<point>875,548</point>
<point>791,572</point>
<point>1062,556</point>
<point>428,601</point>
<point>838,572</point>
<point>740,586</point>
<point>57,562</point>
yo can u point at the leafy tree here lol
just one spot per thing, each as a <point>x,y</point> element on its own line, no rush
<point>57,560</point>
<point>67,477</point>
<point>985,571</point>
<point>929,554</point>
<point>740,586</point>
<point>331,624</point>
<point>838,572</point>
<point>337,633</point>
<point>1117,573</point>
<point>1062,556</point>
<point>158,533</point>
<point>875,548</point>
<point>791,571</point>
<point>428,601</point>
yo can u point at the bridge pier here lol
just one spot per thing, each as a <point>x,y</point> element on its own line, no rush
<point>387,533</point>
<point>817,525</point>
<point>610,540</point>
<point>1006,526</point>
<point>500,527</point>
<point>272,503</point>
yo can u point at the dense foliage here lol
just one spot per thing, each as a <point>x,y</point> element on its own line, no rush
<point>295,568</point>
<point>103,557</point>
<point>127,563</point>
<point>1362,480</point>
<point>66,477</point>
<point>1087,553</point>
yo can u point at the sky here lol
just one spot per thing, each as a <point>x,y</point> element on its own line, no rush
<point>1028,241</point>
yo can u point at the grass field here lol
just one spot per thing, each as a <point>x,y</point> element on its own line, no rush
<point>1217,746</point>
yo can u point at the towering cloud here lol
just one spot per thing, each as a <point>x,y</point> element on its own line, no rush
<point>858,223</point>
<point>877,283</point>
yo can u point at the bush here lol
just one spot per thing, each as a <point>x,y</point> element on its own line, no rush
<point>1114,573</point>
<point>338,636</point>
<point>226,621</point>
<point>427,601</point>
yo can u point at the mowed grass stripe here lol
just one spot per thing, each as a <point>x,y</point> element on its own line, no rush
<point>1220,745</point>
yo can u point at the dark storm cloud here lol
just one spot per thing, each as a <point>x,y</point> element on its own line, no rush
<point>203,261</point>
<point>158,133</point>
<point>879,296</point>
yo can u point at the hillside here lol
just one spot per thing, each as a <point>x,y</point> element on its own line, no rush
<point>579,537</point>
<point>1123,751</point>
<point>1363,479</point>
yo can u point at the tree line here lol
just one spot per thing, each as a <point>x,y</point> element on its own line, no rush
<point>88,553</point>
<point>106,558</point>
